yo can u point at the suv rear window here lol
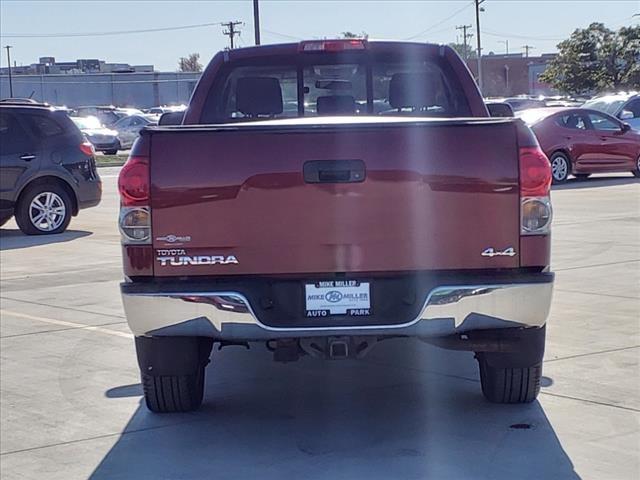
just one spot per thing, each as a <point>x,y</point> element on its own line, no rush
<point>276,87</point>
<point>44,125</point>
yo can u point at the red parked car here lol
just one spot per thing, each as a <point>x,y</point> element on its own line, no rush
<point>581,141</point>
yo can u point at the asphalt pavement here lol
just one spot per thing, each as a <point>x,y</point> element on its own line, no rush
<point>71,404</point>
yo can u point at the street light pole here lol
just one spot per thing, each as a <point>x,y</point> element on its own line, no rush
<point>478,10</point>
<point>506,42</point>
<point>9,65</point>
<point>256,21</point>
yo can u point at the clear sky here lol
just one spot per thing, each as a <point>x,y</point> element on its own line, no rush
<point>539,23</point>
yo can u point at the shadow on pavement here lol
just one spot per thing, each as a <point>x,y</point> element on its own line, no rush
<point>595,182</point>
<point>13,239</point>
<point>407,411</point>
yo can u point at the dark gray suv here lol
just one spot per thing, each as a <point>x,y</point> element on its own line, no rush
<point>47,169</point>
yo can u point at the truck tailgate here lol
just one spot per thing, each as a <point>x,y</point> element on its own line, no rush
<point>434,195</point>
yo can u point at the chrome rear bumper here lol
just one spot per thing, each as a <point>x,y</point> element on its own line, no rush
<point>228,315</point>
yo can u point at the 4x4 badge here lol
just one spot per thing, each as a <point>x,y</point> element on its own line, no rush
<point>491,252</point>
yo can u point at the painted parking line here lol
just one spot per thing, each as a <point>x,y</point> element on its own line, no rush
<point>63,323</point>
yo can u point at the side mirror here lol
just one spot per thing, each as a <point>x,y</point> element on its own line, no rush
<point>500,109</point>
<point>171,118</point>
<point>626,127</point>
<point>626,115</point>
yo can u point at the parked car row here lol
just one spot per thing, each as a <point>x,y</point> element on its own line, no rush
<point>118,136</point>
<point>597,136</point>
<point>625,106</point>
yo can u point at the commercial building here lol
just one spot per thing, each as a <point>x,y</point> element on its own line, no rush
<point>140,90</point>
<point>513,74</point>
<point>48,65</point>
<point>96,82</point>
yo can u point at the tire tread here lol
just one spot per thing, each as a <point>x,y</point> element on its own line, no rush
<point>175,393</point>
<point>510,385</point>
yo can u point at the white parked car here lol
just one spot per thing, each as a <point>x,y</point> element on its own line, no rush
<point>625,106</point>
<point>102,138</point>
<point>129,128</point>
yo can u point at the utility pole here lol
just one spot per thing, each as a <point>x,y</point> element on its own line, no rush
<point>526,50</point>
<point>478,10</point>
<point>8,47</point>
<point>506,43</point>
<point>231,31</point>
<point>465,36</point>
<point>256,21</point>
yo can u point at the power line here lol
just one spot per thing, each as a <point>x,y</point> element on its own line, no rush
<point>526,49</point>
<point>283,35</point>
<point>101,34</point>
<point>439,23</point>
<point>231,31</point>
<point>523,37</point>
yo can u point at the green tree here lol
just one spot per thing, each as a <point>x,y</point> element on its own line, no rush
<point>190,63</point>
<point>348,34</point>
<point>595,59</point>
<point>465,54</point>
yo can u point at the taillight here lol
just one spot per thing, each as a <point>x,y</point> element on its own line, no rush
<point>332,45</point>
<point>87,149</point>
<point>535,184</point>
<point>135,225</point>
<point>535,172</point>
<point>135,213</point>
<point>133,182</point>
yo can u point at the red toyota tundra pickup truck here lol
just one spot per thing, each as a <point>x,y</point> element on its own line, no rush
<point>320,197</point>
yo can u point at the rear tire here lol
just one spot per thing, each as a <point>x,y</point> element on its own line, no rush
<point>510,385</point>
<point>173,393</point>
<point>636,172</point>
<point>55,218</point>
<point>172,370</point>
<point>560,167</point>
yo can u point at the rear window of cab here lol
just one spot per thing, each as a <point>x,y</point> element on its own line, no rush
<point>334,84</point>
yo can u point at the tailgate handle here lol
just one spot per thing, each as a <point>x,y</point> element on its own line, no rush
<point>334,171</point>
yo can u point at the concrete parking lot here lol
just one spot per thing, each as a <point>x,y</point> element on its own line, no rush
<point>71,398</point>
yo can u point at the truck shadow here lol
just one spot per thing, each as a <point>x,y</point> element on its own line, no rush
<point>12,239</point>
<point>407,411</point>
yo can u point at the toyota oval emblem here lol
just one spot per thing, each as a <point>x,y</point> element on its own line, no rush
<point>333,296</point>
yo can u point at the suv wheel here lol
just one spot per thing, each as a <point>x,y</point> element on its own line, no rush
<point>44,209</point>
<point>560,167</point>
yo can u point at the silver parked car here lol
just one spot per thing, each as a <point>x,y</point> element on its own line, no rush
<point>625,106</point>
<point>102,138</point>
<point>129,128</point>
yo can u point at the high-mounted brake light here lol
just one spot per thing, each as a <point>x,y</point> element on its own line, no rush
<point>332,45</point>
<point>535,184</point>
<point>87,149</point>
<point>133,182</point>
